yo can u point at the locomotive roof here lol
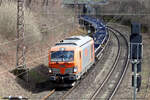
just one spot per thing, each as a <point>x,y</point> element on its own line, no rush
<point>74,41</point>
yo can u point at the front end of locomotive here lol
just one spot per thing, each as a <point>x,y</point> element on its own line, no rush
<point>62,64</point>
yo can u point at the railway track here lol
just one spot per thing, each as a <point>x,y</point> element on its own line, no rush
<point>124,68</point>
<point>109,86</point>
<point>61,94</point>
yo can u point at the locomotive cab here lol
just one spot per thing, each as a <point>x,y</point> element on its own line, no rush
<point>62,63</point>
<point>71,58</point>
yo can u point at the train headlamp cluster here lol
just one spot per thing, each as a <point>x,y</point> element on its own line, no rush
<point>50,70</point>
<point>75,69</point>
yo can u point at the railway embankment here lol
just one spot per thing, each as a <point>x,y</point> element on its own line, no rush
<point>41,26</point>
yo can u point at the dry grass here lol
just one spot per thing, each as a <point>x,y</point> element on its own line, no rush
<point>37,51</point>
<point>8,20</point>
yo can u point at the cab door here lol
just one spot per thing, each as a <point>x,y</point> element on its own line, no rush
<point>80,60</point>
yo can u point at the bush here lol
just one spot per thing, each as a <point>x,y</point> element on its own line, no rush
<point>144,28</point>
<point>126,22</point>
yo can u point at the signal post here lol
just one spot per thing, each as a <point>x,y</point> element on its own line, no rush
<point>136,53</point>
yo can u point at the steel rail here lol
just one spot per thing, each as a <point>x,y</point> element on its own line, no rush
<point>93,96</point>
<point>50,93</point>
<point>64,95</point>
<point>68,92</point>
<point>124,69</point>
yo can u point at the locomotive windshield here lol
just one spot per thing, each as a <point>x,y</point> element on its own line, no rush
<point>60,56</point>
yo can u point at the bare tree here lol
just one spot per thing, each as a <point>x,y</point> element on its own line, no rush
<point>28,3</point>
<point>45,2</point>
<point>0,2</point>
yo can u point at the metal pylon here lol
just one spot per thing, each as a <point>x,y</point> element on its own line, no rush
<point>20,55</point>
<point>76,12</point>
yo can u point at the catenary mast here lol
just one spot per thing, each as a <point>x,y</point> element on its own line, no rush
<point>20,55</point>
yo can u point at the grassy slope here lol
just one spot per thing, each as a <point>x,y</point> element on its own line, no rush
<point>39,25</point>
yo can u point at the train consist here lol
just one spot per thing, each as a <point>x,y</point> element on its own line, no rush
<point>72,57</point>
<point>98,30</point>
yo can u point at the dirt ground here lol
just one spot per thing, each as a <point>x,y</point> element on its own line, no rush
<point>145,67</point>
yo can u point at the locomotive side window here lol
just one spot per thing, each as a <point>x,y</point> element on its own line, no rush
<point>59,56</point>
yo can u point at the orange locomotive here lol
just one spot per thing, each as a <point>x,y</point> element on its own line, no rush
<point>71,58</point>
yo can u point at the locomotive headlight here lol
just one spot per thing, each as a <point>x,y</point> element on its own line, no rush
<point>75,69</point>
<point>50,70</point>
